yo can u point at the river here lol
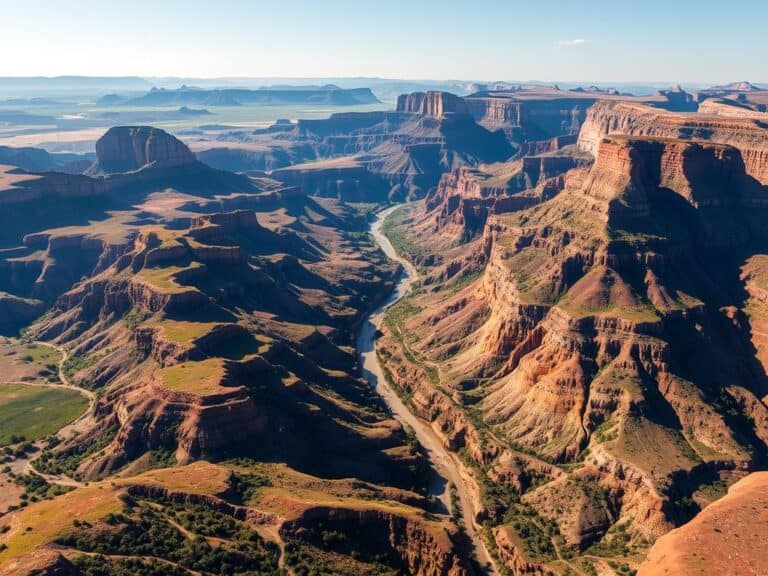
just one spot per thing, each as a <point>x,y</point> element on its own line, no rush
<point>446,466</point>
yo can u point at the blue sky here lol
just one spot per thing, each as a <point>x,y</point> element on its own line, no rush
<point>586,40</point>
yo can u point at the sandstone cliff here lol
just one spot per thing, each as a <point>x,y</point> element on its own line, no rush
<point>435,104</point>
<point>748,135</point>
<point>601,332</point>
<point>128,148</point>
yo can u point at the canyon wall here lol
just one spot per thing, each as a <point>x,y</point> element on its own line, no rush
<point>748,135</point>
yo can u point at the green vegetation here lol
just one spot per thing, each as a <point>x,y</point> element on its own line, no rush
<point>394,319</point>
<point>37,488</point>
<point>394,228</point>
<point>455,504</point>
<point>164,278</point>
<point>36,411</point>
<point>179,331</point>
<point>176,533</point>
<point>43,355</point>
<point>67,461</point>
<point>74,364</point>
<point>317,559</point>
<point>134,318</point>
<point>19,449</point>
<point>247,486</point>
<point>459,284</point>
<point>622,569</point>
<point>535,531</point>
<point>615,543</point>
<point>200,378</point>
<point>102,566</point>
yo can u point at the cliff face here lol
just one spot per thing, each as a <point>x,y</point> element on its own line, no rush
<point>199,337</point>
<point>532,119</point>
<point>396,155</point>
<point>435,104</point>
<point>464,198</point>
<point>413,545</point>
<point>128,148</point>
<point>747,135</point>
<point>605,330</point>
<point>16,312</point>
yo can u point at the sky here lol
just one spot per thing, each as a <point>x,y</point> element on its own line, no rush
<point>549,40</point>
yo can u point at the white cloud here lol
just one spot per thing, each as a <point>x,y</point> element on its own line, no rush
<point>574,42</point>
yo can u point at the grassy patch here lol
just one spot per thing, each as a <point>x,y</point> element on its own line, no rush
<point>34,411</point>
<point>201,378</point>
<point>395,229</point>
<point>43,355</point>
<point>394,319</point>
<point>181,331</point>
<point>49,519</point>
<point>164,278</point>
<point>75,364</point>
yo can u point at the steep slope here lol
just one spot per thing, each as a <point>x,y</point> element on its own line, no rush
<point>212,316</point>
<point>368,156</point>
<point>457,209</point>
<point>608,333</point>
<point>747,134</point>
<point>227,325</point>
<point>726,538</point>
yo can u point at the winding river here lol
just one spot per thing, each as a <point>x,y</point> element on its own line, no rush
<point>447,468</point>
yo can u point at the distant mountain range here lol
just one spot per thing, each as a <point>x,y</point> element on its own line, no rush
<point>185,95</point>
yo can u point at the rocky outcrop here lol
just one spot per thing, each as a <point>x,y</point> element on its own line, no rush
<point>748,135</point>
<point>464,198</point>
<point>707,176</point>
<point>413,544</point>
<point>435,104</point>
<point>514,559</point>
<point>128,148</point>
<point>16,312</point>
<point>530,119</point>
<point>576,339</point>
<point>190,425</point>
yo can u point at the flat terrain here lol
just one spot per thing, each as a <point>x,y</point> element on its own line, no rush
<point>200,378</point>
<point>21,362</point>
<point>85,122</point>
<point>36,411</point>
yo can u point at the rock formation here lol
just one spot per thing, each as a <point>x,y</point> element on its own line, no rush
<point>604,320</point>
<point>127,148</point>
<point>435,104</point>
<point>747,135</point>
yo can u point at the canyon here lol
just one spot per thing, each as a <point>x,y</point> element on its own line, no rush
<point>520,331</point>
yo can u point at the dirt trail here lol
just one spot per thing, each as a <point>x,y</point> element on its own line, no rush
<point>447,467</point>
<point>24,465</point>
